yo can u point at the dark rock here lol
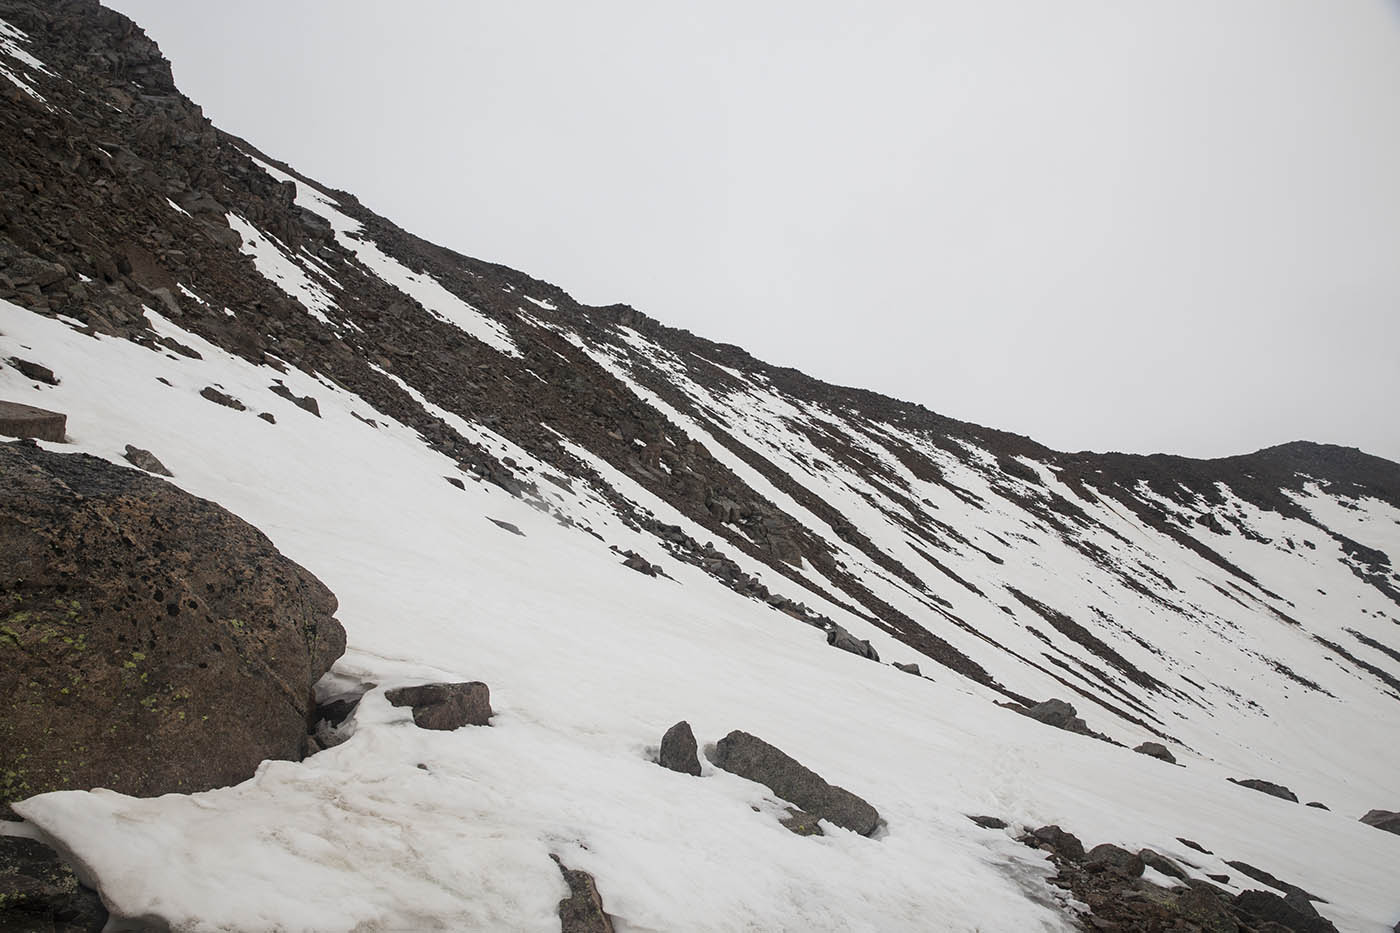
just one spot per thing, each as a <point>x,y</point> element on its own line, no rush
<point>1156,750</point>
<point>267,416</point>
<point>228,401</point>
<point>153,642</point>
<point>1060,714</point>
<point>1319,806</point>
<point>639,563</point>
<point>304,402</point>
<point>1223,879</point>
<point>751,757</point>
<point>1109,857</point>
<point>507,526</point>
<point>17,420</point>
<point>1207,907</point>
<point>38,891</point>
<point>1060,842</point>
<point>455,482</point>
<point>909,668</point>
<point>1387,820</point>
<point>988,822</point>
<point>1267,787</point>
<point>1190,844</point>
<point>1266,907</point>
<point>582,911</point>
<point>1258,874</point>
<point>838,637</point>
<point>34,371</point>
<point>801,823</point>
<point>1161,863</point>
<point>445,706</point>
<point>145,460</point>
<point>678,749</point>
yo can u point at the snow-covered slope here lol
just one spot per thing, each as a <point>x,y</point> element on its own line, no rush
<point>1246,612</point>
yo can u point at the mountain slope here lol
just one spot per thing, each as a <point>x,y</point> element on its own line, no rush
<point>1246,611</point>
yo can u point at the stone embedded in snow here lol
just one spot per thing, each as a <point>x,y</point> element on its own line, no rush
<point>1156,750</point>
<point>838,637</point>
<point>1270,911</point>
<point>507,526</point>
<point>145,460</point>
<point>1388,820</point>
<point>582,911</point>
<point>18,420</point>
<point>445,706</point>
<point>638,563</point>
<point>304,402</point>
<point>38,891</point>
<point>1055,839</point>
<point>751,757</point>
<point>1267,787</point>
<point>34,371</point>
<point>989,822</point>
<point>1291,891</point>
<point>221,398</point>
<point>678,750</point>
<point>153,641</point>
<point>801,823</point>
<point>1109,857</point>
<point>1317,806</point>
<point>910,668</point>
<point>1060,714</point>
<point>1159,862</point>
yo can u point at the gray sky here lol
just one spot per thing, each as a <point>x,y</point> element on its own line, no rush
<point>1109,225</point>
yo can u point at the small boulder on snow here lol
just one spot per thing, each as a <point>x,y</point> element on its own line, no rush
<point>678,750</point>
<point>34,371</point>
<point>750,757</point>
<point>445,707</point>
<point>1156,750</point>
<point>1388,820</point>
<point>582,911</point>
<point>910,668</point>
<point>1107,857</point>
<point>838,637</point>
<point>145,460</point>
<point>1267,787</point>
<point>1058,841</point>
<point>1060,714</point>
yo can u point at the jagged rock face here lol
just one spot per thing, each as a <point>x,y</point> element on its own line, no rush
<point>152,641</point>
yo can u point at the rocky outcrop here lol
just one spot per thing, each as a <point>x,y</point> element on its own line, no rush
<point>678,750</point>
<point>1388,820</point>
<point>445,707</point>
<point>17,420</point>
<point>751,757</point>
<point>1156,750</point>
<point>152,642</point>
<point>582,911</point>
<point>1267,787</point>
<point>38,891</point>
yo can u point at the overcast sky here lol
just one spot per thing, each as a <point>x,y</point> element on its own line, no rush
<point>1169,226</point>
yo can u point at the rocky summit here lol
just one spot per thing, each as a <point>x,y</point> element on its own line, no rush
<point>254,411</point>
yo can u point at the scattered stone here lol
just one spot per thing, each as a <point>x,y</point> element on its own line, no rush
<point>989,822</point>
<point>145,460</point>
<point>838,637</point>
<point>1109,857</point>
<point>1194,845</point>
<point>1319,806</point>
<point>508,526</point>
<point>17,420</point>
<point>267,416</point>
<point>445,706</point>
<point>219,398</point>
<point>155,642</point>
<point>1267,787</point>
<point>38,891</point>
<point>1159,862</point>
<point>638,563</point>
<point>1156,750</point>
<point>304,402</point>
<point>679,751</point>
<point>751,757</point>
<point>582,911</point>
<point>1223,879</point>
<point>1388,820</point>
<point>1266,907</point>
<point>455,482</point>
<point>908,668</point>
<point>34,371</point>
<point>1055,839</point>
<point>801,823</point>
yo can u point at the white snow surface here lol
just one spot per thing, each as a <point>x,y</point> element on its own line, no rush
<point>589,662</point>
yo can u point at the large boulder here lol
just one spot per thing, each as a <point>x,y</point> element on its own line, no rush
<point>150,641</point>
<point>444,707</point>
<point>750,757</point>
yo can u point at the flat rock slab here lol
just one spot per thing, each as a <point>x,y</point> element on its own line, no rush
<point>444,707</point>
<point>17,420</point>
<point>750,757</point>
